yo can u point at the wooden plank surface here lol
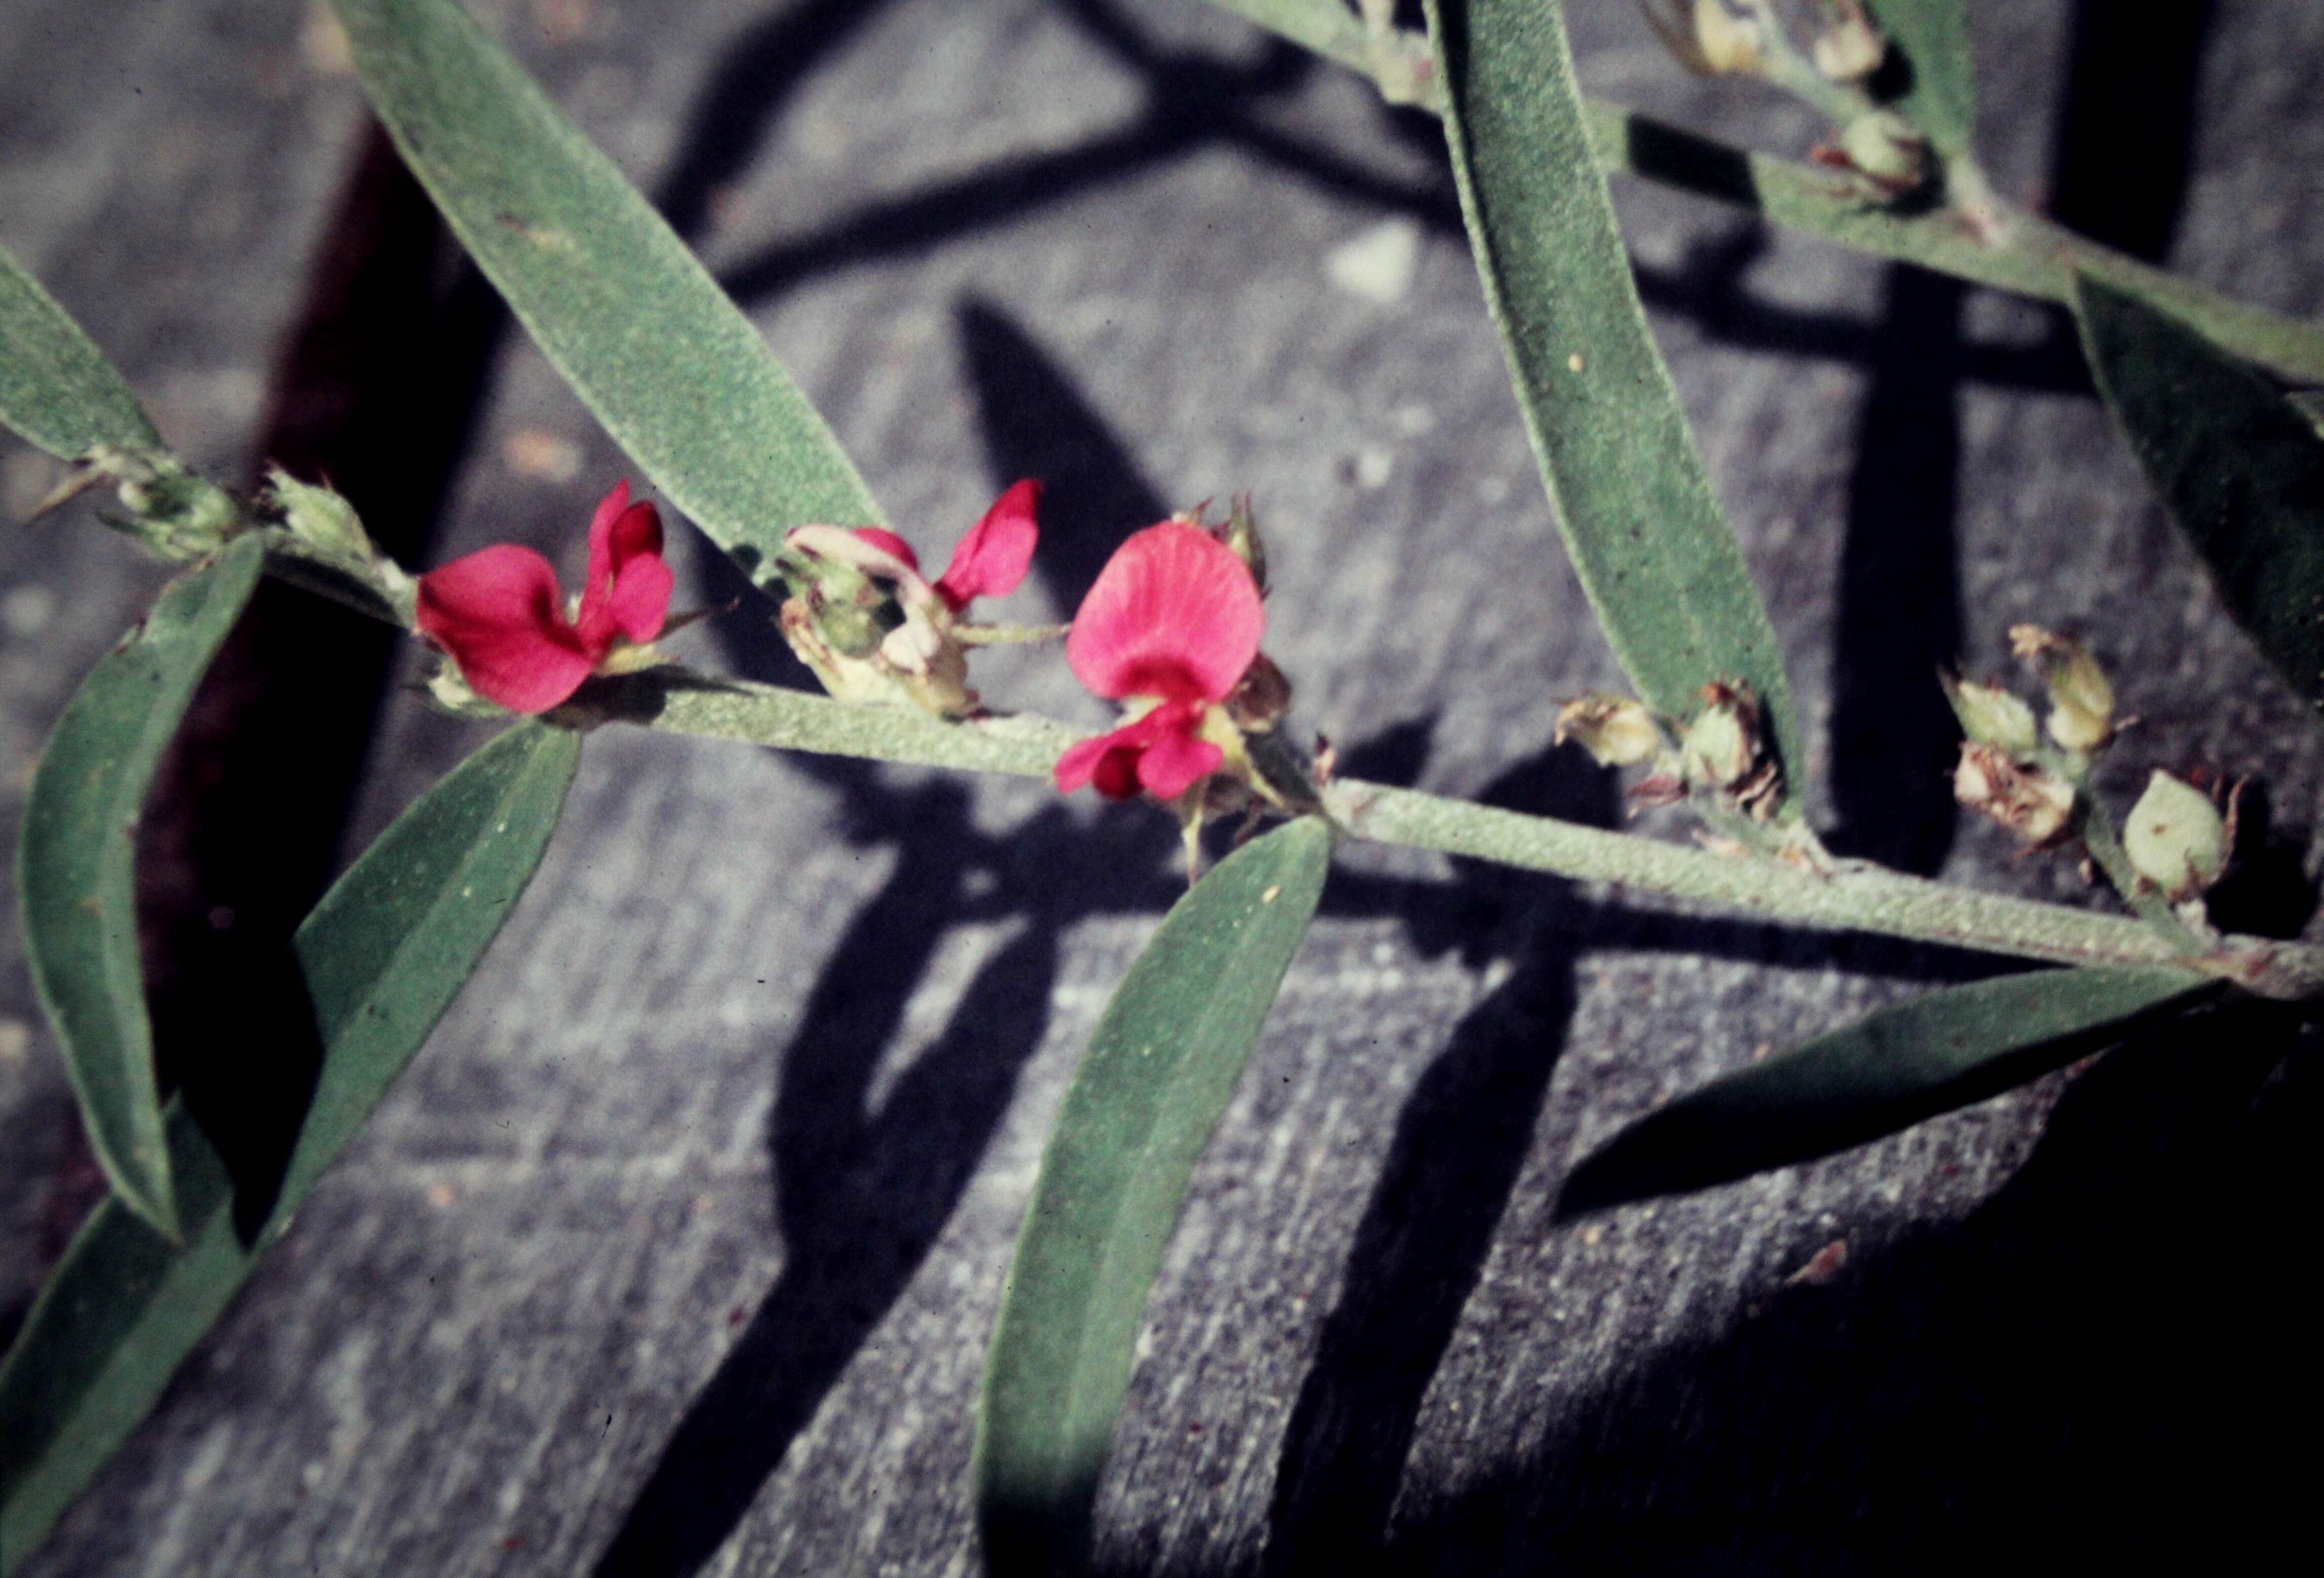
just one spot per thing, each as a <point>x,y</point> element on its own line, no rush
<point>678,1248</point>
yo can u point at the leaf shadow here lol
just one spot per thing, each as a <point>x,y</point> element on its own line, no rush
<point>1461,1140</point>
<point>2098,1366</point>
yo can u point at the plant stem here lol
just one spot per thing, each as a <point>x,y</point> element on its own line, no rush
<point>2002,247</point>
<point>1856,897</point>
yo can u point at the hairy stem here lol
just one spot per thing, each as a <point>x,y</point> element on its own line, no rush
<point>1996,246</point>
<point>1855,897</point>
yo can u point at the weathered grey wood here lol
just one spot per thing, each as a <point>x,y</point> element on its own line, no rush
<point>682,1240</point>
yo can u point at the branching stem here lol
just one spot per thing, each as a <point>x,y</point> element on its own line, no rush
<point>1977,237</point>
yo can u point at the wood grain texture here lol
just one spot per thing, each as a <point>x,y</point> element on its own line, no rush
<point>682,1241</point>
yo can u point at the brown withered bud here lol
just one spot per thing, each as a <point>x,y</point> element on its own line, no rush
<point>1261,698</point>
<point>1666,785</point>
<point>1618,732</point>
<point>2031,802</point>
<point>1725,751</point>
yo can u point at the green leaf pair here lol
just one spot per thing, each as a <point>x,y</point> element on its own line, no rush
<point>380,958</point>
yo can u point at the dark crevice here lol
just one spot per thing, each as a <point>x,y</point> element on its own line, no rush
<point>376,393</point>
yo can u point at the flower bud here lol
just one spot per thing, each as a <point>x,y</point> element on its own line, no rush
<point>1261,698</point>
<point>1883,145</point>
<point>171,509</point>
<point>1849,48</point>
<point>1615,730</point>
<point>1240,532</point>
<point>2033,803</point>
<point>2081,701</point>
<point>1709,37</point>
<point>1725,751</point>
<point>2176,839</point>
<point>318,517</point>
<point>1991,715</point>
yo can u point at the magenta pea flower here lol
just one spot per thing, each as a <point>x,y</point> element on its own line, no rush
<point>917,659</point>
<point>1170,627</point>
<point>501,616</point>
<point>991,561</point>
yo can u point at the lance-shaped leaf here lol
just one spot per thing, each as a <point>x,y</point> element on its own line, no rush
<point>380,959</point>
<point>1934,76</point>
<point>1630,491</point>
<point>76,865</point>
<point>1149,1090</point>
<point>55,387</point>
<point>2241,467</point>
<point>622,309</point>
<point>1885,1072</point>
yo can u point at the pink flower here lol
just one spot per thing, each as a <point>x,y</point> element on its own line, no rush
<point>991,560</point>
<point>501,615</point>
<point>1173,623</point>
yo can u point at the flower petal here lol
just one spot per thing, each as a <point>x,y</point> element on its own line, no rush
<point>1174,613</point>
<point>880,537</point>
<point>993,558</point>
<point>1177,762</point>
<point>1158,751</point>
<point>499,615</point>
<point>1106,759</point>
<point>629,586</point>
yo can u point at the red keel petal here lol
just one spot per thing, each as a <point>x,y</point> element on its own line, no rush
<point>629,587</point>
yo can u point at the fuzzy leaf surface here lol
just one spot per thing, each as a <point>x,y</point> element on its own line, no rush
<point>645,337</point>
<point>1149,1090</point>
<point>1886,1071</point>
<point>76,866</point>
<point>56,387</point>
<point>380,958</point>
<point>1629,486</point>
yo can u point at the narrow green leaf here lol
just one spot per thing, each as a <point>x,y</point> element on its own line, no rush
<point>1886,1071</point>
<point>380,958</point>
<point>76,865</point>
<point>55,387</point>
<point>1631,494</point>
<point>2241,467</point>
<point>1936,83</point>
<point>642,333</point>
<point>1141,1106</point>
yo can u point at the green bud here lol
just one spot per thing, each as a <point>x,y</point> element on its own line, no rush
<point>2081,701</point>
<point>2175,838</point>
<point>1991,715</point>
<point>1709,37</point>
<point>1883,145</point>
<point>318,516</point>
<point>1618,732</point>
<point>1849,48</point>
<point>171,509</point>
